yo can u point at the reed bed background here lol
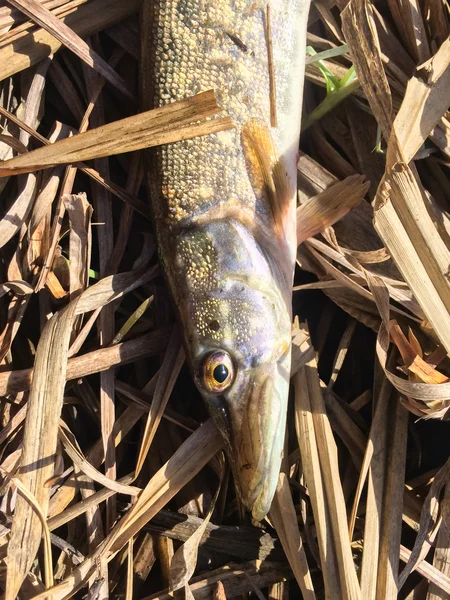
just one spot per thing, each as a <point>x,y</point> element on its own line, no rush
<point>113,479</point>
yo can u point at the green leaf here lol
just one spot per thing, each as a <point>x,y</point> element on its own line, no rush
<point>332,82</point>
<point>94,274</point>
<point>331,53</point>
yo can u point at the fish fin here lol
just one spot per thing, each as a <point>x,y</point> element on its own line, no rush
<point>267,170</point>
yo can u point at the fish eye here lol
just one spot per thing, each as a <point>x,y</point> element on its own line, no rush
<point>218,371</point>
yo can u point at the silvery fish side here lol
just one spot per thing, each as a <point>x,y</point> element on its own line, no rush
<point>224,210</point>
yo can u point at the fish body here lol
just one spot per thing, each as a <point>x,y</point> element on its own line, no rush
<point>224,211</point>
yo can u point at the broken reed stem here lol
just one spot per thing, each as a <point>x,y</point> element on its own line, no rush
<point>12,382</point>
<point>180,120</point>
<point>272,81</point>
<point>138,205</point>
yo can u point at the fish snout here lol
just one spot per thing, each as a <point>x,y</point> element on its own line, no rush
<point>257,444</point>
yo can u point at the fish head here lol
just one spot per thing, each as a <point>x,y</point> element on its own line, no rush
<point>238,332</point>
<point>248,404</point>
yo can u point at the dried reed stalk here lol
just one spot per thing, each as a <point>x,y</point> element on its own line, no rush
<point>174,122</point>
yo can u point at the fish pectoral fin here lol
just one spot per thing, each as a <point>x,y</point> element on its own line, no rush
<point>267,170</point>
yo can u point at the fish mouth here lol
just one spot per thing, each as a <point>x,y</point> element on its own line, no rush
<point>254,431</point>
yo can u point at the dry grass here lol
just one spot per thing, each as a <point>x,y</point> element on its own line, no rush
<point>111,484</point>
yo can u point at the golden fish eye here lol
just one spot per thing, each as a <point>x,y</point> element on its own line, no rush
<point>218,372</point>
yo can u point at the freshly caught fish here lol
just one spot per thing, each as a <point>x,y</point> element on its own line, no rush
<point>224,210</point>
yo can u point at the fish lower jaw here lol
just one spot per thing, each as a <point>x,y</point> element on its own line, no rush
<point>262,505</point>
<point>259,501</point>
<point>257,497</point>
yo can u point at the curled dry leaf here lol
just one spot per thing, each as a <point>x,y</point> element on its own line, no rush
<point>85,467</point>
<point>79,211</point>
<point>428,394</point>
<point>20,288</point>
<point>413,361</point>
<point>54,286</point>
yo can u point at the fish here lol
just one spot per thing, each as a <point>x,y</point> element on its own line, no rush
<point>224,207</point>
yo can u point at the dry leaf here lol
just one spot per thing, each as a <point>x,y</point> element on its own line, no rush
<point>64,34</point>
<point>425,101</point>
<point>329,206</point>
<point>283,516</point>
<point>187,461</point>
<point>17,213</point>
<point>79,211</point>
<point>184,560</point>
<point>219,592</point>
<point>85,467</point>
<point>361,36</point>
<point>168,374</point>
<point>29,48</point>
<point>391,53</point>
<point>327,451</point>
<point>428,522</point>
<point>39,445</point>
<point>12,382</point>
<point>314,480</point>
<point>412,360</point>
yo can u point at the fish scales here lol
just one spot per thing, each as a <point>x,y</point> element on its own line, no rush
<point>229,269</point>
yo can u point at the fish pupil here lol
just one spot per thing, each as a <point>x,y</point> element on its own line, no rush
<point>220,373</point>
